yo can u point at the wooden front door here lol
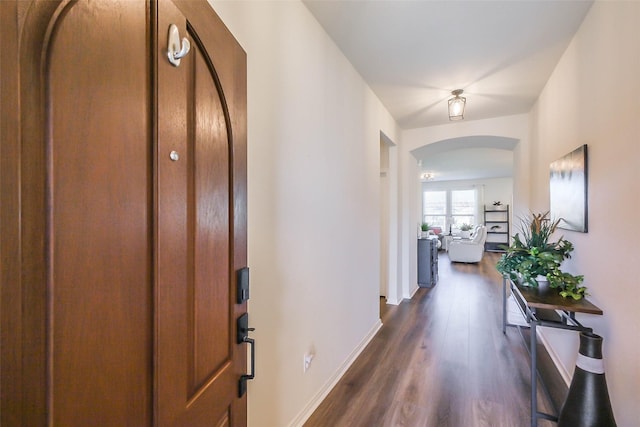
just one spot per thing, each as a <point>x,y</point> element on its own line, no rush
<point>123,215</point>
<point>201,222</point>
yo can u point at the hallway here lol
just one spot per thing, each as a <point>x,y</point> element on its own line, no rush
<point>439,360</point>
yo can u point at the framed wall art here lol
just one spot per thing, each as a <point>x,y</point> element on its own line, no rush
<point>568,189</point>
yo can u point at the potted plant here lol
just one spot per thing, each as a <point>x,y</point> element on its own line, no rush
<point>425,229</point>
<point>534,256</point>
<point>465,230</point>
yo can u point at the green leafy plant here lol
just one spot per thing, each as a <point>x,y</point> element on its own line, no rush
<point>425,226</point>
<point>465,227</point>
<point>532,254</point>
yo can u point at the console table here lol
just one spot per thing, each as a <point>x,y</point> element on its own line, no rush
<point>543,307</point>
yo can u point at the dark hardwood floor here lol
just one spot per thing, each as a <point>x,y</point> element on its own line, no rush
<point>440,359</point>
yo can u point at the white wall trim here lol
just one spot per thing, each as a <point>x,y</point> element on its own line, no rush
<point>413,292</point>
<point>393,301</point>
<point>566,376</point>
<point>316,400</point>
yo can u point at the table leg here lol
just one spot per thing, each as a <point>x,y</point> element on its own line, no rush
<point>504,305</point>
<point>534,375</point>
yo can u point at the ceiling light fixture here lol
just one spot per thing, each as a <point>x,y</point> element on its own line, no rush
<point>456,105</point>
<point>426,176</point>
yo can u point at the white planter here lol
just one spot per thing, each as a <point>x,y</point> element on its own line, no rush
<point>542,281</point>
<point>465,234</point>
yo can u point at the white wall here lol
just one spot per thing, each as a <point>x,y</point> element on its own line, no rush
<point>384,218</point>
<point>593,97</point>
<point>314,220</point>
<point>394,281</point>
<point>498,189</point>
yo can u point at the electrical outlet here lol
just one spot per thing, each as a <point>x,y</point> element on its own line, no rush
<point>306,362</point>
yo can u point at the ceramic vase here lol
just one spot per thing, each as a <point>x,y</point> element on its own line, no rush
<point>588,403</point>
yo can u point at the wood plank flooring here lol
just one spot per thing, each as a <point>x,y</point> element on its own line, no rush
<point>441,360</point>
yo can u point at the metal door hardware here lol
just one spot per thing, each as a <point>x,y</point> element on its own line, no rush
<point>243,330</point>
<point>176,49</point>
<point>242,290</point>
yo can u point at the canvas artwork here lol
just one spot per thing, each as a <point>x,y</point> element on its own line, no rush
<point>568,190</point>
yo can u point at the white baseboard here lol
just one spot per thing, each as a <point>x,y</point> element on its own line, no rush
<point>316,400</point>
<point>555,359</point>
<point>393,301</point>
<point>413,292</point>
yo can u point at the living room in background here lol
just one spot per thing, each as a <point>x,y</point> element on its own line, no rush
<point>434,209</point>
<point>450,208</point>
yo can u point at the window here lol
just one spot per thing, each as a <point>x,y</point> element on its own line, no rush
<point>463,207</point>
<point>449,208</point>
<point>435,208</point>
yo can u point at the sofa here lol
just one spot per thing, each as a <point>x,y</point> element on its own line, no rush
<point>469,250</point>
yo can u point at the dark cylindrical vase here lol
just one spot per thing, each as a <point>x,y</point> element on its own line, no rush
<point>588,403</point>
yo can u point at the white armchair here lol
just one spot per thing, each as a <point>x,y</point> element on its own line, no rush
<point>469,250</point>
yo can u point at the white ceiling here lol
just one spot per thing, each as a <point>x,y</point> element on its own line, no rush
<point>414,53</point>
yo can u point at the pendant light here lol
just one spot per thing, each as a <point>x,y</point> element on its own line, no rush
<point>456,105</point>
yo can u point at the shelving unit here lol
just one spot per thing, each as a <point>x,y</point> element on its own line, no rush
<point>497,223</point>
